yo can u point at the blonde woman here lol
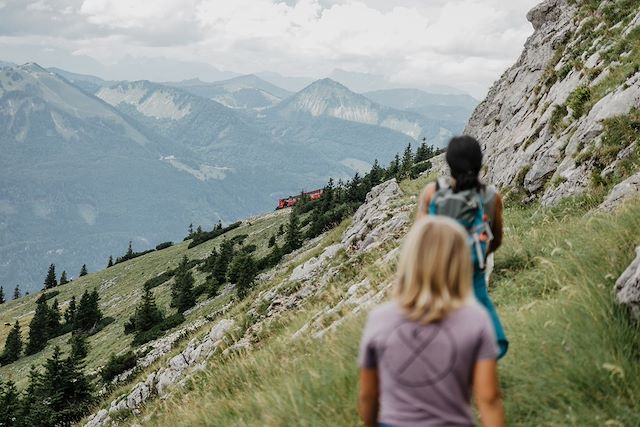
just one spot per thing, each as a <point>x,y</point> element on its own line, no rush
<point>423,354</point>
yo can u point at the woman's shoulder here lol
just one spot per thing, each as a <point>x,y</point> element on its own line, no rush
<point>472,312</point>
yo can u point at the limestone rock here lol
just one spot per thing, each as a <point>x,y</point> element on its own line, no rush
<point>307,270</point>
<point>628,287</point>
<point>376,220</point>
<point>626,190</point>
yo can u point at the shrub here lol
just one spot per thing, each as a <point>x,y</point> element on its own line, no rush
<point>164,245</point>
<point>205,236</point>
<point>117,365</point>
<point>557,116</point>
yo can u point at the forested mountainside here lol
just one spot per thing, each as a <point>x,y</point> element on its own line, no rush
<point>113,162</point>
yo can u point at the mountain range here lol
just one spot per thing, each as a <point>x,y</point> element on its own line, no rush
<point>90,164</point>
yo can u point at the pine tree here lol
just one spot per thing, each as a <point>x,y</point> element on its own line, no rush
<point>129,253</point>
<point>63,278</point>
<point>83,270</point>
<point>61,395</point>
<point>293,238</point>
<point>53,319</point>
<point>222,261</point>
<point>182,295</point>
<point>70,312</point>
<point>394,168</point>
<point>407,162</point>
<point>16,292</point>
<point>272,241</point>
<point>79,346</point>
<point>50,281</point>
<point>38,328</point>
<point>199,230</point>
<point>281,230</point>
<point>243,271</point>
<point>9,404</point>
<point>88,313</point>
<point>190,231</point>
<point>12,345</point>
<point>2,300</point>
<point>110,262</point>
<point>376,174</point>
<point>147,314</point>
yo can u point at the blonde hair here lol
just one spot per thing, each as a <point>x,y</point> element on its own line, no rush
<point>435,271</point>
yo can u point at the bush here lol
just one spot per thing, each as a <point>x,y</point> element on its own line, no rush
<point>155,332</point>
<point>208,235</point>
<point>159,279</point>
<point>164,245</point>
<point>557,116</point>
<point>117,365</point>
<point>52,294</point>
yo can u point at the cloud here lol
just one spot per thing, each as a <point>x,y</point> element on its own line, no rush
<point>412,42</point>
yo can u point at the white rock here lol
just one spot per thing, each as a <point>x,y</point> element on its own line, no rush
<point>626,190</point>
<point>628,287</point>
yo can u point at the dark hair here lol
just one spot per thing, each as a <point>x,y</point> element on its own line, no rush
<point>464,157</point>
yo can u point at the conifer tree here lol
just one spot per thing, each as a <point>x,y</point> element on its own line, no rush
<point>38,328</point>
<point>53,319</point>
<point>110,262</point>
<point>147,314</point>
<point>63,278</point>
<point>222,261</point>
<point>2,300</point>
<point>83,270</point>
<point>293,238</point>
<point>9,404</point>
<point>182,295</point>
<point>61,395</point>
<point>79,346</point>
<point>199,230</point>
<point>281,230</point>
<point>16,292</point>
<point>243,271</point>
<point>50,281</point>
<point>394,168</point>
<point>376,174</point>
<point>407,162</point>
<point>88,313</point>
<point>12,345</point>
<point>70,312</point>
<point>272,241</point>
<point>190,231</point>
<point>129,253</point>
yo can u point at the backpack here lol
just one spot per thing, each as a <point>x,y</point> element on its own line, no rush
<point>472,209</point>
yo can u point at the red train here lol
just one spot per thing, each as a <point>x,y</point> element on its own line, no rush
<point>292,200</point>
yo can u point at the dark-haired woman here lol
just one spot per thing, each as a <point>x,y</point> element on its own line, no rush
<point>464,157</point>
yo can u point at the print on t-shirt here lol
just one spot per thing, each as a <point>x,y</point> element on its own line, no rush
<point>421,356</point>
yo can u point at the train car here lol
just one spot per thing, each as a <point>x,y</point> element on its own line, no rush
<point>292,200</point>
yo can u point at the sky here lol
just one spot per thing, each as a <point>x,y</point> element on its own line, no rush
<point>466,44</point>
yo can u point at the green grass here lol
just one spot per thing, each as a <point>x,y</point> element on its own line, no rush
<point>120,288</point>
<point>573,359</point>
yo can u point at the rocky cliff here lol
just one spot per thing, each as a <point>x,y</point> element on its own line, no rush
<point>564,119</point>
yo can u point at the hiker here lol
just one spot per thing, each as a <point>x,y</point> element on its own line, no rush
<point>478,208</point>
<point>424,353</point>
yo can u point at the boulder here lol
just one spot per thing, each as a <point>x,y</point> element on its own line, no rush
<point>626,190</point>
<point>627,288</point>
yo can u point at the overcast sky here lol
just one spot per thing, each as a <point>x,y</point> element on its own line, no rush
<point>461,43</point>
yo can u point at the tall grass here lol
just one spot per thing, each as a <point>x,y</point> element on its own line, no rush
<point>574,357</point>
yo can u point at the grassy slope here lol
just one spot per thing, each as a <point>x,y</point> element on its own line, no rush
<point>120,288</point>
<point>573,360</point>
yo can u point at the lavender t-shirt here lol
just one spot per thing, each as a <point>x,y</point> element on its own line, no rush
<point>425,371</point>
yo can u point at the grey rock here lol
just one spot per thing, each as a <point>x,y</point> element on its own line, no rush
<point>626,190</point>
<point>307,270</point>
<point>627,287</point>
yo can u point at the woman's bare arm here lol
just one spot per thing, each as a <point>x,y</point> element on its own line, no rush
<point>486,391</point>
<point>368,397</point>
<point>425,200</point>
<point>497,226</point>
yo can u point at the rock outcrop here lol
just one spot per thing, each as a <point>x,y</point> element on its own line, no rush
<point>376,221</point>
<point>626,190</point>
<point>159,382</point>
<point>627,288</point>
<point>542,120</point>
